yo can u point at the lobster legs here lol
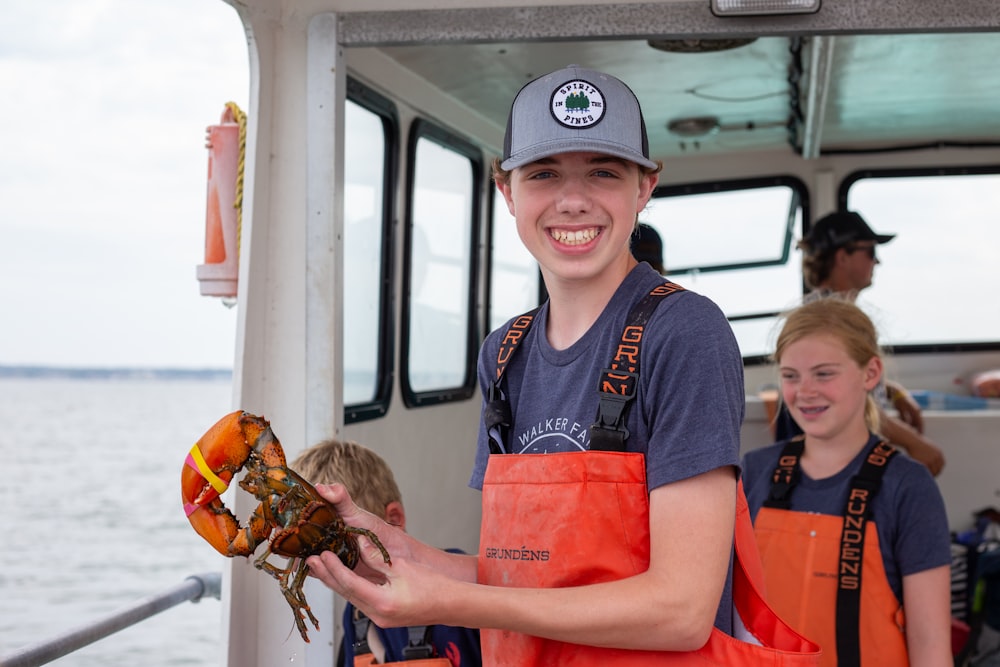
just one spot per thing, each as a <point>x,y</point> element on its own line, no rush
<point>293,593</point>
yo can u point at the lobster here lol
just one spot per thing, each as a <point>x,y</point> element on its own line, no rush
<point>292,517</point>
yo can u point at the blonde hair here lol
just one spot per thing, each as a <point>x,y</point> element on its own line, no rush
<point>365,474</point>
<point>840,318</point>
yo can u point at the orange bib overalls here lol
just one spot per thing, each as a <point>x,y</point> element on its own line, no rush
<point>808,558</point>
<point>577,518</point>
<point>535,534</point>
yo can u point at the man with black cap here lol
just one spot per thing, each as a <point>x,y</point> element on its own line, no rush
<point>610,499</point>
<point>839,258</point>
<point>839,254</point>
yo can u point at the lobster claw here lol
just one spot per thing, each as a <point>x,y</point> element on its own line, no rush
<point>208,470</point>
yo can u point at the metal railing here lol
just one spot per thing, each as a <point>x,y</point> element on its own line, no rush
<point>193,588</point>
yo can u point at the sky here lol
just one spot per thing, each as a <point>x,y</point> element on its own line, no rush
<point>103,167</point>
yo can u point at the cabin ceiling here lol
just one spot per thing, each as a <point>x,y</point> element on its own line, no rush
<point>814,95</point>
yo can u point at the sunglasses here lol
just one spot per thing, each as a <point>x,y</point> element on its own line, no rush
<point>867,249</point>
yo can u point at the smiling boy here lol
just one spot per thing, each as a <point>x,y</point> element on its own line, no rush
<point>586,556</point>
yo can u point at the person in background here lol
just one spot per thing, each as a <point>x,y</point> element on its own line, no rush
<point>839,257</point>
<point>369,480</point>
<point>647,246</point>
<point>854,540</point>
<point>986,384</point>
<point>636,570</point>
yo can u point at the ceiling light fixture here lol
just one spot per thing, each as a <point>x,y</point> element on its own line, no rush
<point>699,45</point>
<point>758,7</point>
<point>695,126</point>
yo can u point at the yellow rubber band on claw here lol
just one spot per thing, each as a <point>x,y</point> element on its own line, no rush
<point>217,482</point>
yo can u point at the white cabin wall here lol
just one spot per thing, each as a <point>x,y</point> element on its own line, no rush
<point>271,364</point>
<point>431,454</point>
<point>433,448</point>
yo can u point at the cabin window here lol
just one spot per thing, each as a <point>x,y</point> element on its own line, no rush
<point>439,332</point>
<point>514,278</point>
<point>735,243</point>
<point>369,170</point>
<point>947,227</point>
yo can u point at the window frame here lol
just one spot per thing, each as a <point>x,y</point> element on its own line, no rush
<point>422,128</point>
<point>796,185</point>
<point>386,111</point>
<point>800,195</point>
<point>843,193</point>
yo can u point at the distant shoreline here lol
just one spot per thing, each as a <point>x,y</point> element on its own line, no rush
<point>70,373</point>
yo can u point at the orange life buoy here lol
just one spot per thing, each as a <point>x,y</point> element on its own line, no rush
<point>225,143</point>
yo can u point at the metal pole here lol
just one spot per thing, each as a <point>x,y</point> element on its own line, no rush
<point>193,588</point>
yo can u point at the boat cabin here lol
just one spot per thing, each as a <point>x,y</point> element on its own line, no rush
<point>375,255</point>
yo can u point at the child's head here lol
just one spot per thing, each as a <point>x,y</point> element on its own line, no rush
<point>840,319</point>
<point>364,473</point>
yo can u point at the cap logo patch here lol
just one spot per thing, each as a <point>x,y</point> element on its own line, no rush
<point>577,104</point>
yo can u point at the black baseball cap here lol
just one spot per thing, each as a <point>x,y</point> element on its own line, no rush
<point>840,229</point>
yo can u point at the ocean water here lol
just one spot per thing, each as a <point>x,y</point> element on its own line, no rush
<point>92,518</point>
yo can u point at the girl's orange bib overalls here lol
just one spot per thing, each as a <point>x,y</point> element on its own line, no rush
<point>808,557</point>
<point>575,518</point>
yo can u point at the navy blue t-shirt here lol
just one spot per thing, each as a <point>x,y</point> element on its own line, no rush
<point>689,406</point>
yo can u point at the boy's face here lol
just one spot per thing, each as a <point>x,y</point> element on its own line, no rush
<point>575,212</point>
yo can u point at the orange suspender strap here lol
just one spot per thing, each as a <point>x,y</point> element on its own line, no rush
<point>617,384</point>
<point>496,413</point>
<point>864,486</point>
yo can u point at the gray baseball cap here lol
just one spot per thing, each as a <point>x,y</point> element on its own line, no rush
<point>575,109</point>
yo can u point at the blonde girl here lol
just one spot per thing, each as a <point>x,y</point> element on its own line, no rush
<point>853,535</point>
